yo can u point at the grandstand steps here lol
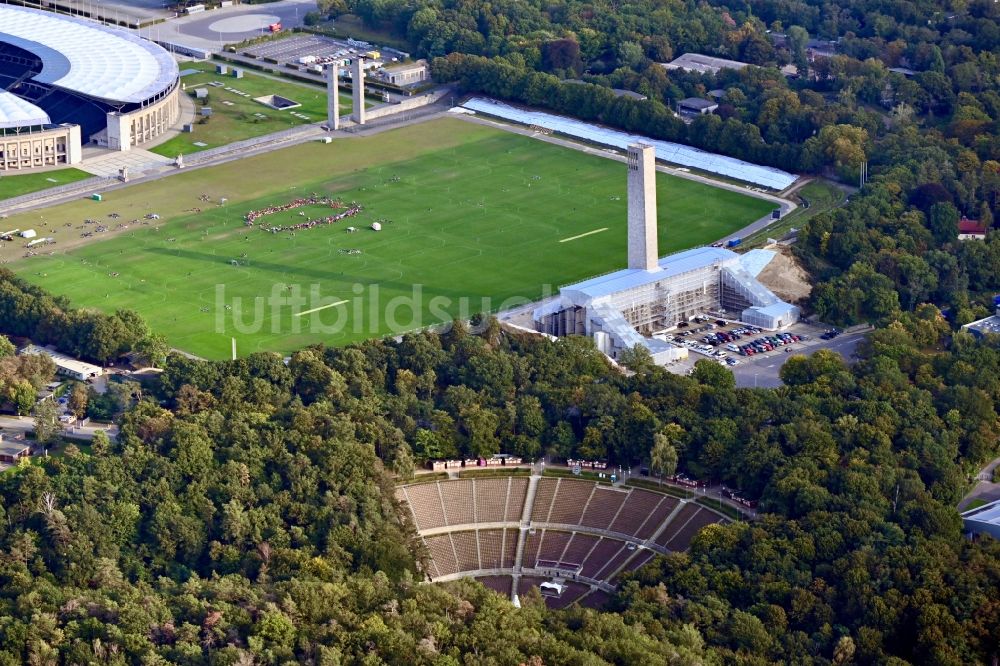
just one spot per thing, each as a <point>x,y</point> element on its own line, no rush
<point>651,541</point>
<point>529,503</point>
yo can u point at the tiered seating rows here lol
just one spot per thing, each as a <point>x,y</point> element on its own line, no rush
<point>683,539</point>
<point>683,516</point>
<point>572,592</point>
<point>640,559</point>
<point>465,501</point>
<point>570,501</point>
<point>491,500</point>
<point>467,550</point>
<point>459,505</point>
<point>426,504</point>
<point>499,584</point>
<point>442,555</point>
<point>602,553</point>
<point>544,494</point>
<point>553,545</point>
<point>637,508</point>
<point>579,547</point>
<point>603,506</point>
<point>510,548</point>
<point>656,518</point>
<point>490,547</point>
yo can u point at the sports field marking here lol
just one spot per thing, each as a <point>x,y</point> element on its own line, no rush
<point>589,233</point>
<point>322,307</point>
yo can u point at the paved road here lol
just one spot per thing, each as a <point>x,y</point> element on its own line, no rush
<point>984,489</point>
<point>210,30</point>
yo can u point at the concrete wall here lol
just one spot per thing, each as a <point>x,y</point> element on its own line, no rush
<point>154,120</point>
<point>406,105</point>
<point>45,148</point>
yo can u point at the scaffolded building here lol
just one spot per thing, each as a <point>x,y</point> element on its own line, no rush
<point>626,308</point>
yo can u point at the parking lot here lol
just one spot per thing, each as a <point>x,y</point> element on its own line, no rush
<point>762,368</point>
<point>318,50</point>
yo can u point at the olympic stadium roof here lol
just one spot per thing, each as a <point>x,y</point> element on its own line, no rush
<point>88,58</point>
<point>16,112</point>
<point>667,151</point>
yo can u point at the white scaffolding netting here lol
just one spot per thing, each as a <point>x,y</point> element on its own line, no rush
<point>674,153</point>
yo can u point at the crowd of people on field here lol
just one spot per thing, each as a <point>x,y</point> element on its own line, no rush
<point>351,210</point>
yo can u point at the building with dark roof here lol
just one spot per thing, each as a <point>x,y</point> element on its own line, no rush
<point>696,106</point>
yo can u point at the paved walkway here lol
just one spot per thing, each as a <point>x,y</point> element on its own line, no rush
<point>984,490</point>
<point>137,160</point>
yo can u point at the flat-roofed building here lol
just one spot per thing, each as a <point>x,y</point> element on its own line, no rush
<point>66,365</point>
<point>408,74</point>
<point>985,326</point>
<point>696,106</point>
<point>983,520</point>
<point>11,451</point>
<point>703,64</point>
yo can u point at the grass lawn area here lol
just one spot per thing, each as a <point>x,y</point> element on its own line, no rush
<point>236,121</point>
<point>14,186</point>
<point>472,216</point>
<point>975,504</point>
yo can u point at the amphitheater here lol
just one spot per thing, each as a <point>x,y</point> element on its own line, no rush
<point>66,82</point>
<point>514,533</point>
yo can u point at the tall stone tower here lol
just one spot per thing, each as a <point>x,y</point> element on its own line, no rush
<point>332,97</point>
<point>358,83</point>
<point>642,243</point>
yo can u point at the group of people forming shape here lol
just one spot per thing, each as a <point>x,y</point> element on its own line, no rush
<point>348,210</point>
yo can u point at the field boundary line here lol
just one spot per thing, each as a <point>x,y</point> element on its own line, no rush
<point>589,233</point>
<point>322,307</point>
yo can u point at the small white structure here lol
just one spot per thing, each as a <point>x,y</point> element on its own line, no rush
<point>408,74</point>
<point>376,226</point>
<point>28,233</point>
<point>551,588</point>
<point>66,365</point>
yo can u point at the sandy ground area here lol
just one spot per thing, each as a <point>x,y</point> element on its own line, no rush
<point>785,277</point>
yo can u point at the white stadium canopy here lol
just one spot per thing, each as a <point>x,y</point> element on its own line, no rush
<point>675,153</point>
<point>87,58</point>
<point>16,112</point>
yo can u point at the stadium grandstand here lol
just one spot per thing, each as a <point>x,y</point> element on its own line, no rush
<point>66,82</point>
<point>514,533</point>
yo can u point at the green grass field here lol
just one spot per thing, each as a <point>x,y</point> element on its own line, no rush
<point>15,186</point>
<point>236,121</point>
<point>470,214</point>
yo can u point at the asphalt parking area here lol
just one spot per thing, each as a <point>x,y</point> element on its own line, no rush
<point>762,370</point>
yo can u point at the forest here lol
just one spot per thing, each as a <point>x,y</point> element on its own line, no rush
<point>246,514</point>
